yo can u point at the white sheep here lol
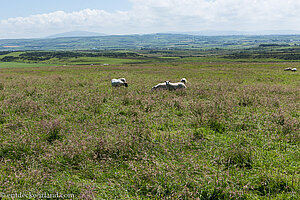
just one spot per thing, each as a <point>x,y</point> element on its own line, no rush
<point>294,69</point>
<point>175,86</point>
<point>183,80</point>
<point>119,82</point>
<point>287,69</point>
<point>163,86</point>
<point>160,86</point>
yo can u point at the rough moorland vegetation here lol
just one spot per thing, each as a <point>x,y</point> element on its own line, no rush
<point>233,133</point>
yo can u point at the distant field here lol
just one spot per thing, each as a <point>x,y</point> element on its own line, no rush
<point>21,65</point>
<point>152,42</point>
<point>68,57</point>
<point>102,60</point>
<point>232,134</point>
<point>15,54</point>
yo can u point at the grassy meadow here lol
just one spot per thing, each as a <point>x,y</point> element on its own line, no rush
<point>22,65</point>
<point>232,134</point>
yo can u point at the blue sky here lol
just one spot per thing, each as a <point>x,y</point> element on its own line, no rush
<point>41,18</point>
<point>23,8</point>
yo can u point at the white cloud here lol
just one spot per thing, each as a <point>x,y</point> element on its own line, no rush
<point>59,21</point>
<point>161,16</point>
<point>225,14</point>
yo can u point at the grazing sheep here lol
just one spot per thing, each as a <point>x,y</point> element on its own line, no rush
<point>287,69</point>
<point>183,80</point>
<point>119,82</point>
<point>160,86</point>
<point>163,86</point>
<point>175,86</point>
<point>294,69</point>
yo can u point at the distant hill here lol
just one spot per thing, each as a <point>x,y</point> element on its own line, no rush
<point>214,33</point>
<point>246,33</point>
<point>147,42</point>
<point>76,34</point>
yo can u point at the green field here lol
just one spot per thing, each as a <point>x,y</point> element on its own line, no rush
<point>233,133</point>
<point>101,60</point>
<point>151,42</point>
<point>21,65</point>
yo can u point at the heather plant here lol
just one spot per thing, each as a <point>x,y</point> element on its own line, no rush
<point>272,185</point>
<point>233,133</point>
<point>1,86</point>
<point>51,130</point>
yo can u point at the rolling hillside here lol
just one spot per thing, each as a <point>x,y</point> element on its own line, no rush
<point>150,41</point>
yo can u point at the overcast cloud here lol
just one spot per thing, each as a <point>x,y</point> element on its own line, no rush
<point>153,16</point>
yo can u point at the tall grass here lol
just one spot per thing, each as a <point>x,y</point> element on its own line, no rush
<point>232,134</point>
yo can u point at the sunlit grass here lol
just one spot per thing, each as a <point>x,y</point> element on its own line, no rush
<point>102,60</point>
<point>232,134</point>
<point>14,54</point>
<point>22,65</point>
